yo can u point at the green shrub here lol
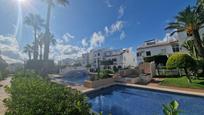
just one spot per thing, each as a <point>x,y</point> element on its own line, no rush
<point>108,71</point>
<point>115,69</point>
<point>171,109</point>
<point>106,74</point>
<point>200,66</point>
<point>181,61</point>
<point>32,95</point>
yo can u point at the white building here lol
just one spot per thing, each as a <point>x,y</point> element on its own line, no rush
<point>120,58</point>
<point>166,46</point>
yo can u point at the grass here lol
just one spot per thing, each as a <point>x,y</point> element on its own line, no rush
<point>183,82</point>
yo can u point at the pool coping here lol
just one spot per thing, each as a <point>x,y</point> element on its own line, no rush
<point>168,90</point>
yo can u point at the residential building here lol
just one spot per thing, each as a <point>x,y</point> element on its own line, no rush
<point>167,46</point>
<point>119,58</point>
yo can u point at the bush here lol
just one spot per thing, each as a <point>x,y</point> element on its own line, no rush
<point>181,61</point>
<point>115,69</point>
<point>106,74</point>
<point>200,66</point>
<point>158,59</point>
<point>108,71</point>
<point>172,108</point>
<point>32,95</point>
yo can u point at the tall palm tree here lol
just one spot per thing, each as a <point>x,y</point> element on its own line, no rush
<point>28,49</point>
<point>52,40</point>
<point>190,21</point>
<point>41,40</point>
<point>36,22</point>
<point>200,3</point>
<point>50,4</point>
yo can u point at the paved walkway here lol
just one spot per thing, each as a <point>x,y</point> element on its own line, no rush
<point>3,94</point>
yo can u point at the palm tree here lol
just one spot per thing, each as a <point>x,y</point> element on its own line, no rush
<point>28,49</point>
<point>51,39</point>
<point>190,21</point>
<point>36,22</point>
<point>50,4</point>
<point>189,45</point>
<point>41,37</point>
<point>200,3</point>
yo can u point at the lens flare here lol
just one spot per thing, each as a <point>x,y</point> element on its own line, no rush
<point>21,0</point>
<point>19,24</point>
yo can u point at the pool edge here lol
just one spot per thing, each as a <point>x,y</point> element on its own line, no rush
<point>176,91</point>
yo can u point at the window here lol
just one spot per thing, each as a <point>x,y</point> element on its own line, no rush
<point>114,59</point>
<point>98,54</point>
<point>139,54</point>
<point>148,53</point>
<point>175,48</point>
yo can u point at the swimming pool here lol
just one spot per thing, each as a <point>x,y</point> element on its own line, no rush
<point>75,77</point>
<point>122,100</point>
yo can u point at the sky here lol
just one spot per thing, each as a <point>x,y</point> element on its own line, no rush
<point>87,24</point>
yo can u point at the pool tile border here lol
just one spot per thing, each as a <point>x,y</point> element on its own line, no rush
<point>168,90</point>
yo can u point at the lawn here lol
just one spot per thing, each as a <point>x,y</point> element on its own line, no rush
<point>183,82</point>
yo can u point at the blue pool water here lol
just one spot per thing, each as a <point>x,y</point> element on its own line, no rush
<point>75,77</point>
<point>122,100</point>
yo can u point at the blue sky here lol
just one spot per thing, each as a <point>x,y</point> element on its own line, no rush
<point>86,24</point>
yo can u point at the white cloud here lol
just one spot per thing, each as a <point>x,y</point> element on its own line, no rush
<point>116,27</point>
<point>97,39</point>
<point>106,29</point>
<point>84,42</point>
<point>121,11</point>
<point>108,3</point>
<point>10,50</point>
<point>64,50</point>
<point>67,37</point>
<point>122,35</point>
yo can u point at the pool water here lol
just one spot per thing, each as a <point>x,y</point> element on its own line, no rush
<point>122,100</point>
<point>75,77</point>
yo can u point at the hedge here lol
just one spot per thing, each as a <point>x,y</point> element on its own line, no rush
<point>32,95</point>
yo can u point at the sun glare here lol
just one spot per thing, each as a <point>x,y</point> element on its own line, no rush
<point>21,0</point>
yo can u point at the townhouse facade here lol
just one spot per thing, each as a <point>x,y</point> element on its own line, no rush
<point>118,58</point>
<point>168,46</point>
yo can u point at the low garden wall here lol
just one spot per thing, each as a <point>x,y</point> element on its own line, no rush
<point>98,83</point>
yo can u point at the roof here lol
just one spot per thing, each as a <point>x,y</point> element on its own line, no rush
<point>158,44</point>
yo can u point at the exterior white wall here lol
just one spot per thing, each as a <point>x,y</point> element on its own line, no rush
<point>163,47</point>
<point>129,60</point>
<point>85,59</point>
<point>124,58</point>
<point>157,50</point>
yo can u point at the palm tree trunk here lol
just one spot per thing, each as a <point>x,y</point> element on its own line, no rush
<point>35,56</point>
<point>189,79</point>
<point>41,52</point>
<point>29,55</point>
<point>198,43</point>
<point>47,32</point>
